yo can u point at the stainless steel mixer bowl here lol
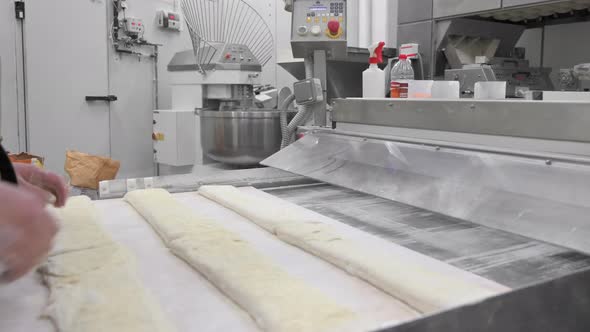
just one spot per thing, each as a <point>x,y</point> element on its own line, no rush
<point>242,138</point>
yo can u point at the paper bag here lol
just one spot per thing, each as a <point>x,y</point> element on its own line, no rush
<point>86,171</point>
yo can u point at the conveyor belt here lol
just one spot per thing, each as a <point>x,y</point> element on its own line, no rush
<point>506,258</point>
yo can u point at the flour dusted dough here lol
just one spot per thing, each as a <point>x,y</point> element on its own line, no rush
<point>94,286</point>
<point>410,281</point>
<point>83,261</point>
<point>276,300</point>
<point>75,233</point>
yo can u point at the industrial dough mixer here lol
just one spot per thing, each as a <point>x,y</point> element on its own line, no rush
<point>231,44</point>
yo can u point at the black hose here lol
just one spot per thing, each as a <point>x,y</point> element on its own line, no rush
<point>7,173</point>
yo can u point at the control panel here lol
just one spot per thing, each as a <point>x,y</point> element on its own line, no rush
<point>217,56</point>
<point>169,20</point>
<point>134,26</point>
<point>235,53</point>
<point>319,25</point>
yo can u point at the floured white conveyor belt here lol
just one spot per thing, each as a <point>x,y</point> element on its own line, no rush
<point>506,258</point>
<point>189,300</point>
<point>193,304</point>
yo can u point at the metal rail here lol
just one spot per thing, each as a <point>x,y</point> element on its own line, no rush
<point>437,145</point>
<point>561,121</point>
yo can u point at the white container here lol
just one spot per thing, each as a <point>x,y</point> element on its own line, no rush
<point>373,82</point>
<point>420,89</point>
<point>446,90</point>
<point>490,90</point>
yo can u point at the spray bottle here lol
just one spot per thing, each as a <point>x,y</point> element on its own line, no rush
<point>374,78</point>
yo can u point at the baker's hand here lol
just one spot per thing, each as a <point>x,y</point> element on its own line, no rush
<point>42,183</point>
<point>26,231</point>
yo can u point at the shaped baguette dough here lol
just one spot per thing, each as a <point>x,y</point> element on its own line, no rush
<point>75,233</point>
<point>410,281</point>
<point>94,286</point>
<point>277,301</point>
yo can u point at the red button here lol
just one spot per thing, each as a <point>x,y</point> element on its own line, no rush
<point>171,16</point>
<point>228,56</point>
<point>334,27</point>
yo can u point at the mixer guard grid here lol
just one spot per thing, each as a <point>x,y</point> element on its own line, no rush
<point>226,21</point>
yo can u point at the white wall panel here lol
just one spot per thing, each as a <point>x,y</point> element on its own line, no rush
<point>379,21</point>
<point>365,12</point>
<point>8,72</point>
<point>63,65</point>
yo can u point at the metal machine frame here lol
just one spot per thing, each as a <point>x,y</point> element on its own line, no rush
<point>312,40</point>
<point>535,194</point>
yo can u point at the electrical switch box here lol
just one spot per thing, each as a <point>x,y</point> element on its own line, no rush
<point>175,137</point>
<point>308,91</point>
<point>134,26</point>
<point>169,20</point>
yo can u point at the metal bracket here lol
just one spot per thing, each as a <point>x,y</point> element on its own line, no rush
<point>320,71</point>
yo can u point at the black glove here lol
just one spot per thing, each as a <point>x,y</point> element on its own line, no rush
<point>7,173</point>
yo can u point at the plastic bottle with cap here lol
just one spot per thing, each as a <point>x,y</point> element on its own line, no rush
<point>374,77</point>
<point>401,75</point>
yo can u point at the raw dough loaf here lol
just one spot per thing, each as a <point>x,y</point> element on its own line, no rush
<point>75,232</point>
<point>277,301</point>
<point>94,286</point>
<point>410,280</point>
